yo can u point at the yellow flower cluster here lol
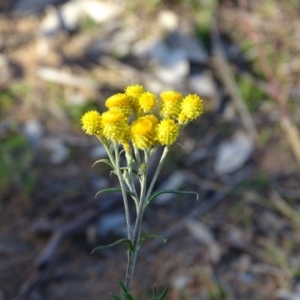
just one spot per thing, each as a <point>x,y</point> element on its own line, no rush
<point>136,116</point>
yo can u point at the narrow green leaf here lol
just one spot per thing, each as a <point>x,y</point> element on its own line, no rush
<point>164,293</point>
<point>114,190</point>
<point>131,193</point>
<point>180,145</point>
<point>111,190</point>
<point>127,243</point>
<point>151,236</point>
<point>114,296</point>
<point>106,161</point>
<point>167,191</point>
<point>154,292</point>
<point>128,297</point>
<point>125,291</point>
<point>123,287</point>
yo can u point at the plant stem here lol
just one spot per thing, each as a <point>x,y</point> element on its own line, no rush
<point>138,224</point>
<point>130,180</point>
<point>160,164</point>
<point>123,188</point>
<point>132,257</point>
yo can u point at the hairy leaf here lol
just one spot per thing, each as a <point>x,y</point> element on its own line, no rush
<point>106,161</point>
<point>114,190</point>
<point>151,236</point>
<point>167,191</point>
<point>127,243</point>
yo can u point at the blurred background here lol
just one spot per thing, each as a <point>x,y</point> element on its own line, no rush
<point>59,59</point>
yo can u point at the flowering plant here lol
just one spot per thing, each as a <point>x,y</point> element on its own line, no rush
<point>140,123</point>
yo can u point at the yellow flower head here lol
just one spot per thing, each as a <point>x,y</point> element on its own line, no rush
<point>147,101</point>
<point>143,132</point>
<point>191,108</point>
<point>134,92</point>
<point>170,104</point>
<point>119,101</point>
<point>92,123</point>
<point>115,126</point>
<point>167,132</point>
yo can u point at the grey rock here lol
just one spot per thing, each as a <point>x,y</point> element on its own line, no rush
<point>204,85</point>
<point>192,47</point>
<point>58,152</point>
<point>22,7</point>
<point>174,182</point>
<point>112,223</point>
<point>203,234</point>
<point>233,154</point>
<point>174,67</point>
<point>33,130</point>
<point>287,295</point>
<point>119,42</point>
<point>155,85</point>
<point>52,23</point>
<point>67,16</point>
<point>66,78</point>
<point>146,46</point>
<point>181,281</point>
<point>237,239</point>
<point>100,11</point>
<point>158,51</point>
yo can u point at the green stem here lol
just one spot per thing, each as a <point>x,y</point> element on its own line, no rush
<point>123,188</point>
<point>130,180</point>
<point>137,156</point>
<point>107,148</point>
<point>132,256</point>
<point>160,164</point>
<point>138,225</point>
<point>135,245</point>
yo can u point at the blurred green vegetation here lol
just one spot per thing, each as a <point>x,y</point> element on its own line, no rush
<point>75,112</point>
<point>88,24</point>
<point>16,157</point>
<point>255,184</point>
<point>252,95</point>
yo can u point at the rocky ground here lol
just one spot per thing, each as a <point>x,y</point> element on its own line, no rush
<point>59,59</point>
